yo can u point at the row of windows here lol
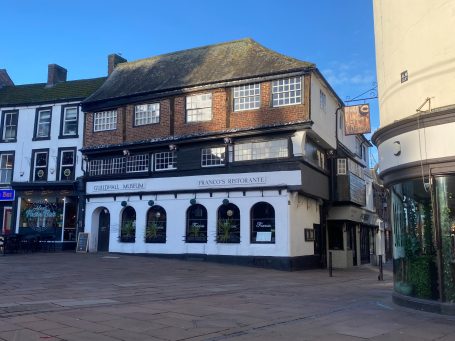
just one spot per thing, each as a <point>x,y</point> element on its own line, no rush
<point>286,91</point>
<point>262,224</point>
<point>210,157</point>
<point>344,165</point>
<point>42,128</point>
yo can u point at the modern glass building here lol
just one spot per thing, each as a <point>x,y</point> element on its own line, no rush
<point>415,56</point>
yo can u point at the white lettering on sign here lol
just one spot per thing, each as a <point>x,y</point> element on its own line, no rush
<point>260,224</point>
<point>232,181</point>
<point>119,187</point>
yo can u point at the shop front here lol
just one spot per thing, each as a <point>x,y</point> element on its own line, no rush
<point>48,215</point>
<point>424,240</point>
<point>6,210</point>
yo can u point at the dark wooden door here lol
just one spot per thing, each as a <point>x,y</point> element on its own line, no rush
<point>319,244</point>
<point>364,245</point>
<point>104,231</point>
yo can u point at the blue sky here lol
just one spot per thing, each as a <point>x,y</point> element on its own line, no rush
<point>78,35</point>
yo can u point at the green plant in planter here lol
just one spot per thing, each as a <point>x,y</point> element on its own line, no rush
<point>194,231</point>
<point>224,230</point>
<point>151,230</point>
<point>128,229</point>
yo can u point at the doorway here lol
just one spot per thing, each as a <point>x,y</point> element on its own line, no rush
<point>104,230</point>
<point>364,245</point>
<point>7,218</point>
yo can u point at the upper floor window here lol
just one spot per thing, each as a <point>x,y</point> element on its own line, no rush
<point>43,123</point>
<point>9,126</point>
<point>356,169</point>
<point>287,91</point>
<point>213,156</point>
<point>247,97</point>
<point>199,108</point>
<point>69,121</point>
<point>165,160</point>
<point>261,150</point>
<point>146,114</point>
<point>40,165</point>
<point>341,167</point>
<point>67,159</point>
<point>6,167</point>
<point>105,120</point>
<point>322,100</point>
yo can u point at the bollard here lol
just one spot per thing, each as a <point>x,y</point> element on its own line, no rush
<point>330,264</point>
<point>381,273</point>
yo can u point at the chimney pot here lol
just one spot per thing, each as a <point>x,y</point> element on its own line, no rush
<point>55,74</point>
<point>112,61</point>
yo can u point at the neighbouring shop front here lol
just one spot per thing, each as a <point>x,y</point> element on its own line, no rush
<point>424,239</point>
<point>48,214</point>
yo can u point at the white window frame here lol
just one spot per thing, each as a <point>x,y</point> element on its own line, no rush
<point>199,108</point>
<point>39,124</point>
<point>35,167</point>
<point>270,149</point>
<point>6,174</point>
<point>342,168</point>
<point>159,159</point>
<point>105,120</point>
<point>6,125</point>
<point>247,97</point>
<point>62,165</point>
<point>322,100</point>
<point>148,114</point>
<point>137,163</point>
<point>213,157</point>
<point>65,120</point>
<point>287,89</point>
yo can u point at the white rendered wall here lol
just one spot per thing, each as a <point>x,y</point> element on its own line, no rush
<point>176,224</point>
<point>303,213</point>
<point>324,120</point>
<point>24,145</point>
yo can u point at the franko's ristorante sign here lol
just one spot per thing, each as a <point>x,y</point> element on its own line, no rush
<point>233,181</point>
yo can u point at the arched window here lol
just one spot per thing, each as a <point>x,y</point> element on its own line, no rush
<point>196,224</point>
<point>262,223</point>
<point>228,224</point>
<point>128,225</point>
<point>155,229</point>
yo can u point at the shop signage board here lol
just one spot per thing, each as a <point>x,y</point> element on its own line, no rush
<point>7,194</point>
<point>357,119</point>
<point>82,242</point>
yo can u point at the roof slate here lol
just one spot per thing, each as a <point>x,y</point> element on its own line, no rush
<point>240,59</point>
<point>39,93</point>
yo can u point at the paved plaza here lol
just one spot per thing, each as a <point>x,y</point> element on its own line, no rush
<point>68,296</point>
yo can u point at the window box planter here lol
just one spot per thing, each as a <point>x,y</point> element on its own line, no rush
<point>156,239</point>
<point>196,239</point>
<point>127,239</point>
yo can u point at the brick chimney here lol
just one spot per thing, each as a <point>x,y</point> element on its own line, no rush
<point>5,80</point>
<point>55,74</point>
<point>112,61</point>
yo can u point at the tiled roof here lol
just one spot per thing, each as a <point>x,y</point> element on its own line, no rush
<point>235,60</point>
<point>39,93</point>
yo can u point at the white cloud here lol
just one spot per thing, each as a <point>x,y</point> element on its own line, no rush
<point>352,73</point>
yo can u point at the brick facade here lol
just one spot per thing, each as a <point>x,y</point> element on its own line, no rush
<point>223,117</point>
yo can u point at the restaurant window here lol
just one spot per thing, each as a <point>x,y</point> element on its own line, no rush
<point>9,126</point>
<point>43,123</point>
<point>40,159</point>
<point>287,91</point>
<point>155,229</point>
<point>128,225</point>
<point>213,156</point>
<point>262,223</point>
<point>196,224</point>
<point>228,225</point>
<point>247,97</point>
<point>69,122</point>
<point>67,163</point>
<point>199,108</point>
<point>6,167</point>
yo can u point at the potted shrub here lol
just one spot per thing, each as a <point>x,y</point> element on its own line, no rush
<point>195,235</point>
<point>128,232</point>
<point>154,233</point>
<point>225,232</point>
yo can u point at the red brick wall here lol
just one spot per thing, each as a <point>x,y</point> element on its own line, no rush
<point>223,117</point>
